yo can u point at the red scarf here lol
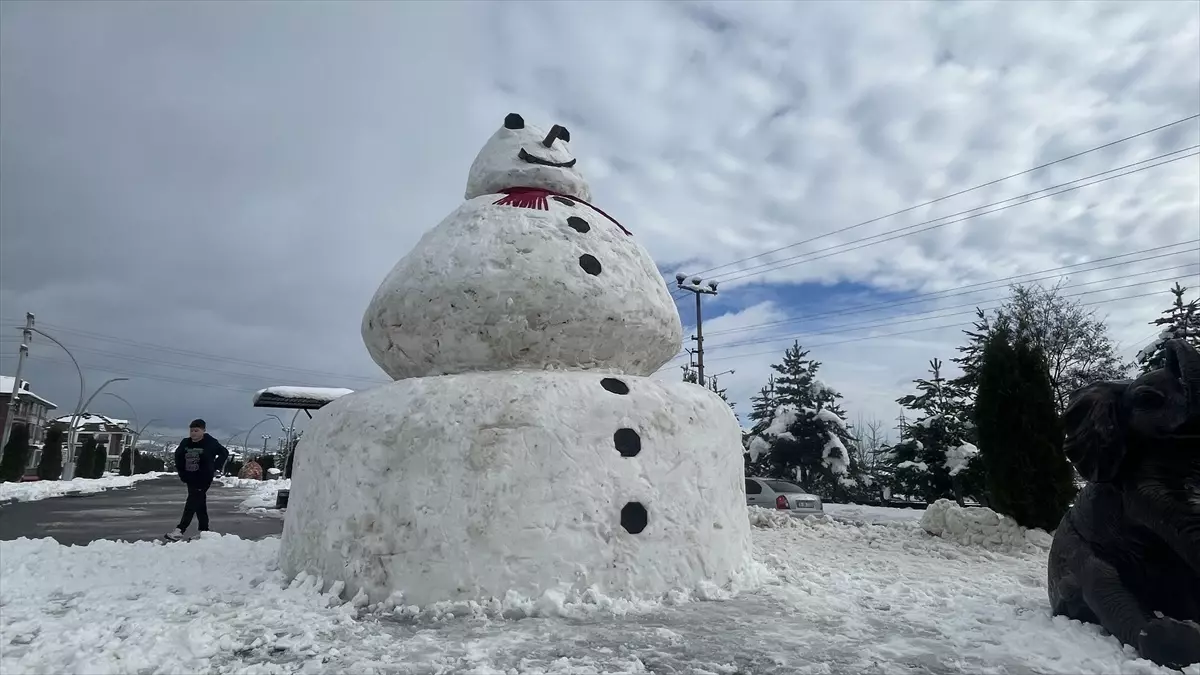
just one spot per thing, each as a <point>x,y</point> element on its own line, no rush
<point>535,198</point>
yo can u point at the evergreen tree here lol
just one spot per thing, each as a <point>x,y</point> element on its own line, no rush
<point>128,461</point>
<point>807,439</point>
<point>1075,342</point>
<point>1020,436</point>
<point>1181,320</point>
<point>16,454</point>
<point>100,460</point>
<point>86,459</point>
<point>935,450</point>
<point>50,465</point>
<point>762,407</point>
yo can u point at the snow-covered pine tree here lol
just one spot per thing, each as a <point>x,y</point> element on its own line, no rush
<point>935,450</point>
<point>762,407</point>
<point>1180,320</point>
<point>807,438</point>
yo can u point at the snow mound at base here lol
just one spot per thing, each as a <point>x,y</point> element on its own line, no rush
<point>980,526</point>
<point>770,519</point>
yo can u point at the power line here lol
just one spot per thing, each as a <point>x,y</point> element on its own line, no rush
<point>187,366</point>
<point>959,291</point>
<point>903,233</point>
<point>911,332</point>
<point>202,355</point>
<point>955,194</point>
<point>140,375</point>
<point>791,336</point>
<point>913,317</point>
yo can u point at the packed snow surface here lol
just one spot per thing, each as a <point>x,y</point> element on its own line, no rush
<point>315,393</point>
<point>497,287</point>
<point>456,487</point>
<point>44,489</point>
<point>828,597</point>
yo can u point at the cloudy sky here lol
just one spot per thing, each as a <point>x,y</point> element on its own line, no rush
<point>202,197</point>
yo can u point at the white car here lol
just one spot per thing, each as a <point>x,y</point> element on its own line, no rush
<point>773,493</point>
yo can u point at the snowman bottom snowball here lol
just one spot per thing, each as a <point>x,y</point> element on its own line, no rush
<point>474,485</point>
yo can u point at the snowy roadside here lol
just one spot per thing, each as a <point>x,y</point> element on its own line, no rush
<point>45,489</point>
<point>873,514</point>
<point>831,596</point>
<point>262,501</point>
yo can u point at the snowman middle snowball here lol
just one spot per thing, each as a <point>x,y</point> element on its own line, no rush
<point>524,275</point>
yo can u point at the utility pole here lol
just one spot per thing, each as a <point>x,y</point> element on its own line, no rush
<point>698,290</point>
<point>26,338</point>
<point>903,426</point>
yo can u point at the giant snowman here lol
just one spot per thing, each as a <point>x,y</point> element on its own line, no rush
<point>521,448</point>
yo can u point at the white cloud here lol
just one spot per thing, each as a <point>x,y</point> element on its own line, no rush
<point>237,179</point>
<point>727,129</point>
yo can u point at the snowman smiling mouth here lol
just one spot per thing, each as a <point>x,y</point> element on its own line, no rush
<point>544,162</point>
<point>556,132</point>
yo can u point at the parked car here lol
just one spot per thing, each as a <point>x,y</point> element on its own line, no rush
<point>772,493</point>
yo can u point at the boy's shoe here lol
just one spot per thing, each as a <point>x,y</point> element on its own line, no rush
<point>174,535</point>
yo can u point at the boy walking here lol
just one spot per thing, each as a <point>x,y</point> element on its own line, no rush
<point>197,460</point>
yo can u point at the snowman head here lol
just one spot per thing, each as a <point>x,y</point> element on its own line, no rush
<point>521,155</point>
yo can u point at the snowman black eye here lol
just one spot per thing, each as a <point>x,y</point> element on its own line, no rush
<point>514,121</point>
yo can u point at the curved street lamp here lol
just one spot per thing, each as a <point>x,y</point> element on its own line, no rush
<point>127,403</point>
<point>246,443</point>
<point>69,465</point>
<point>82,388</point>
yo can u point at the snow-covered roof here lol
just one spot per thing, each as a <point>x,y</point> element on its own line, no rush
<point>302,398</point>
<point>89,419</point>
<point>6,387</point>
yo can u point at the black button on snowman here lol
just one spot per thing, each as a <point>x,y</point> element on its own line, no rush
<point>522,448</point>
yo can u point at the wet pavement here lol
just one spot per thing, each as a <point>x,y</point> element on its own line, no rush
<point>147,510</point>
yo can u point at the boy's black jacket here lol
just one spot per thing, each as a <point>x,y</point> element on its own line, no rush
<point>197,462</point>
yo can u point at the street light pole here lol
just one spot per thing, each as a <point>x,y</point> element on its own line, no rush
<point>26,338</point>
<point>82,390</point>
<point>698,290</point>
<point>127,403</point>
<point>246,443</point>
<point>69,464</point>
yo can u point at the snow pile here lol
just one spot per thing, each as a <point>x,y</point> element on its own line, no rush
<point>323,394</point>
<point>265,493</point>
<point>861,513</point>
<point>981,526</point>
<point>831,597</point>
<point>44,489</point>
<point>960,457</point>
<point>116,607</point>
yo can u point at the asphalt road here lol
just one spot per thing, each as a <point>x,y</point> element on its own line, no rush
<point>148,510</point>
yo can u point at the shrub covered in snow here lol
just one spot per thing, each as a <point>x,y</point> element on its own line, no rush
<point>50,465</point>
<point>251,470</point>
<point>16,453</point>
<point>979,526</point>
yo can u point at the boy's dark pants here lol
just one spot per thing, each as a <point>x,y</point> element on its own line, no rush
<point>197,505</point>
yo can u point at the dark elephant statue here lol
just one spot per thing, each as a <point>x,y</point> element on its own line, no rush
<point>1127,554</point>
